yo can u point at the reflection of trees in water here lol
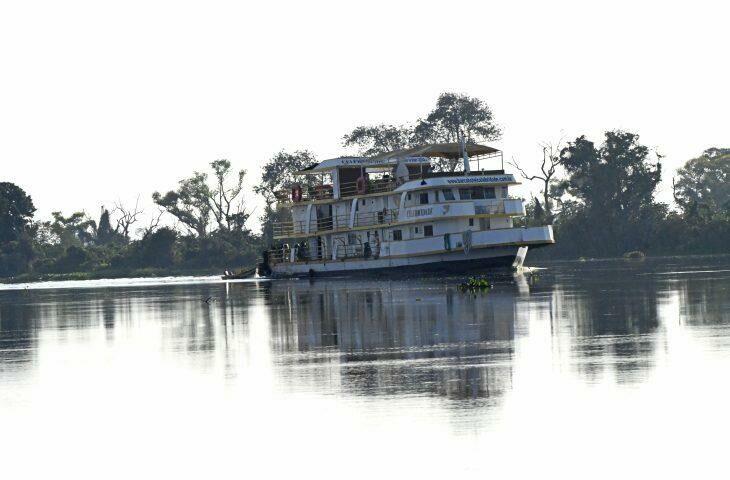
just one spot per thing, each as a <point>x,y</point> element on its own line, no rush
<point>606,319</point>
<point>19,317</point>
<point>704,299</point>
<point>398,338</point>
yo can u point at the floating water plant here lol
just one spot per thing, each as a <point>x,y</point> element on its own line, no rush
<point>634,255</point>
<point>475,284</point>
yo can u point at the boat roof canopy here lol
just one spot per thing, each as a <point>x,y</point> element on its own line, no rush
<point>359,162</point>
<point>452,151</point>
<point>411,156</point>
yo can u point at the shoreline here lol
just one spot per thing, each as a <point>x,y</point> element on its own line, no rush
<point>109,275</point>
<point>173,272</point>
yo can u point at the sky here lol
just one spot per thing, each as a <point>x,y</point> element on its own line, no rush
<point>104,102</point>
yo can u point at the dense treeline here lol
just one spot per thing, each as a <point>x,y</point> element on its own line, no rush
<point>604,204</point>
<point>208,234</point>
<point>600,199</point>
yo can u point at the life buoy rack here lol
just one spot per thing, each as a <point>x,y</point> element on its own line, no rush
<point>362,185</point>
<point>296,193</point>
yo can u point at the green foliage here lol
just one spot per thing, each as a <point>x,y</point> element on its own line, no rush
<point>74,259</point>
<point>16,214</point>
<point>226,203</point>
<point>609,207</point>
<point>634,255</point>
<point>376,139</point>
<point>194,202</point>
<point>189,203</point>
<point>157,249</point>
<point>75,244</point>
<point>278,173</point>
<point>475,284</point>
<point>616,178</point>
<point>612,208</point>
<point>704,183</point>
<point>76,229</point>
<point>454,115</point>
<point>104,232</point>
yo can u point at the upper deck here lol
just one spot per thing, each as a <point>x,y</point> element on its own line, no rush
<point>344,177</point>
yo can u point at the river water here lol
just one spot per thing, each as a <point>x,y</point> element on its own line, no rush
<point>579,370</point>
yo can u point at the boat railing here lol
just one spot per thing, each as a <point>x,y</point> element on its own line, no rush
<point>489,209</point>
<point>301,252</point>
<point>309,194</point>
<point>344,252</point>
<point>369,186</point>
<point>292,228</point>
<point>298,252</point>
<point>379,185</point>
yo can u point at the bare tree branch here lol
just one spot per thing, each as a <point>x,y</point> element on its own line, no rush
<point>548,167</point>
<point>154,224</point>
<point>127,217</point>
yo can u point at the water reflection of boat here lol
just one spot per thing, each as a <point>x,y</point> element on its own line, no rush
<point>419,337</point>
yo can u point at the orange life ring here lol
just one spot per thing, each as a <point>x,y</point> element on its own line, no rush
<point>362,185</point>
<point>296,193</point>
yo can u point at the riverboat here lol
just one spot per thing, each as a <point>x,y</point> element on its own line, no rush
<point>406,210</point>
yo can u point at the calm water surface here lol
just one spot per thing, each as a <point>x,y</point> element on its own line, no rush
<point>584,370</point>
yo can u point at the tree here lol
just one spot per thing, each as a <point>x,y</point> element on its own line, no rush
<point>377,139</point>
<point>126,217</point>
<point>617,177</point>
<point>104,232</point>
<point>278,173</point>
<point>76,229</point>
<point>16,212</point>
<point>551,161</point>
<point>195,201</point>
<point>16,215</point>
<point>189,203</point>
<point>226,204</point>
<point>705,181</point>
<point>456,115</point>
<point>158,248</point>
<point>612,208</point>
<point>153,225</point>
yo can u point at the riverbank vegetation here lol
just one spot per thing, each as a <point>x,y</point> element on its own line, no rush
<point>599,197</point>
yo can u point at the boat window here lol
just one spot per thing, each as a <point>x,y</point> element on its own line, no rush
<point>351,239</point>
<point>423,198</point>
<point>363,202</point>
<point>428,230</point>
<point>471,222</point>
<point>416,229</point>
<point>448,194</point>
<point>477,193</point>
<point>409,196</point>
<point>397,235</point>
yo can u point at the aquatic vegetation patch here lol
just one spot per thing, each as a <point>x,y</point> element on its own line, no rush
<point>475,284</point>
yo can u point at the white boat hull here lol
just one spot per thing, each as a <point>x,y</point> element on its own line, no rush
<point>487,249</point>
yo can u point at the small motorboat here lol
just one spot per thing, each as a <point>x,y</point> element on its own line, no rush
<point>250,273</point>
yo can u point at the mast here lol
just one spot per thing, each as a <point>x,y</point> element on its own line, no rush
<point>464,155</point>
